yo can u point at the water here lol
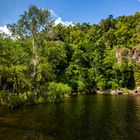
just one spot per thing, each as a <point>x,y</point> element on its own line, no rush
<point>80,118</point>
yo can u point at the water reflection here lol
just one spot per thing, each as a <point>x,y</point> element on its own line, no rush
<point>82,118</point>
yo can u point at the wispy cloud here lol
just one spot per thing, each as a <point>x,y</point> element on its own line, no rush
<point>53,13</point>
<point>4,29</point>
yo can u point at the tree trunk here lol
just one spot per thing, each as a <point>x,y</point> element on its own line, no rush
<point>35,62</point>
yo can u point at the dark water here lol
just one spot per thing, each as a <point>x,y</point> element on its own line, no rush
<point>81,118</point>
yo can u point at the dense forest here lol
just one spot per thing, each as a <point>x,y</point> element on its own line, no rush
<point>43,62</point>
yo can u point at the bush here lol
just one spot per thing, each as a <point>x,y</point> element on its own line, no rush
<point>4,96</point>
<point>56,91</point>
<point>14,101</point>
<point>31,98</point>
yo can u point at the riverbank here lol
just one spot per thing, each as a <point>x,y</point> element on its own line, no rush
<point>13,101</point>
<point>123,91</point>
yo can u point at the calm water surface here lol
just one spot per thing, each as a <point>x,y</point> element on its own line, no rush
<point>81,118</point>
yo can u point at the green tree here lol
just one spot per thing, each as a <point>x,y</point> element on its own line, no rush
<point>31,23</point>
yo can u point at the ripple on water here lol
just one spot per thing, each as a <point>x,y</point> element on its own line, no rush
<point>81,118</point>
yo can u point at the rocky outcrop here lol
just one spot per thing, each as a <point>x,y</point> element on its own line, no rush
<point>122,91</point>
<point>121,54</point>
<point>136,91</point>
<point>126,54</point>
<point>135,54</point>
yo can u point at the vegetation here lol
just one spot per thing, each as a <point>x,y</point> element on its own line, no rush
<point>42,62</point>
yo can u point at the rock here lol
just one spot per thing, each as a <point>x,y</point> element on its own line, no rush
<point>113,92</point>
<point>124,53</point>
<point>100,92</point>
<point>120,92</point>
<point>136,91</point>
<point>135,54</point>
<point>121,54</point>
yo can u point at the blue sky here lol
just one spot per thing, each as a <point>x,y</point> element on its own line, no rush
<point>91,11</point>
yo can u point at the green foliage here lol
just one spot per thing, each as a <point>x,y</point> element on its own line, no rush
<point>31,98</point>
<point>11,100</point>
<point>56,91</point>
<point>14,101</point>
<point>40,58</point>
<point>31,22</point>
<point>4,94</point>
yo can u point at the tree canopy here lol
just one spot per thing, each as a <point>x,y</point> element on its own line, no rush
<point>82,58</point>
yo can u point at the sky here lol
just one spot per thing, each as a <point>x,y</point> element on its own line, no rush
<point>69,11</point>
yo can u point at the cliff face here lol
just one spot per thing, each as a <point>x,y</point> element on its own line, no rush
<point>121,54</point>
<point>126,54</point>
<point>135,54</point>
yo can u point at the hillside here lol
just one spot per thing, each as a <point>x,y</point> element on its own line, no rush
<point>45,60</point>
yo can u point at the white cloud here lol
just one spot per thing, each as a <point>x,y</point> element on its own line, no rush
<point>53,13</point>
<point>4,29</point>
<point>60,21</point>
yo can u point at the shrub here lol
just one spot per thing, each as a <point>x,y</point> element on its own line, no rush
<point>31,98</point>
<point>14,101</point>
<point>56,91</point>
<point>4,95</point>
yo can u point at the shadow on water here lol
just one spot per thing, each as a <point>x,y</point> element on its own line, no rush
<point>81,118</point>
<point>131,122</point>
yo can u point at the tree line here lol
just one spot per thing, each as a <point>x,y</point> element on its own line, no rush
<point>41,62</point>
